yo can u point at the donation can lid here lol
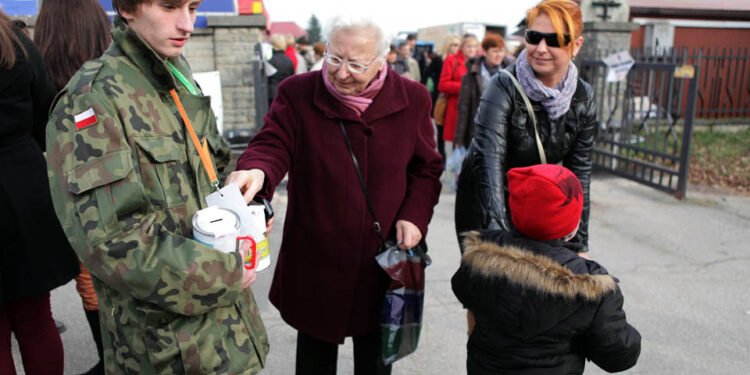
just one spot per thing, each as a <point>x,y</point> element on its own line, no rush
<point>214,221</point>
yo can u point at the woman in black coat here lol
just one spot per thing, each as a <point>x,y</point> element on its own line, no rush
<point>504,133</point>
<point>35,256</point>
<point>283,64</point>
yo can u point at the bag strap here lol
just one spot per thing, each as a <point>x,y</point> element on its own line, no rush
<point>362,184</point>
<point>202,150</point>
<point>530,110</point>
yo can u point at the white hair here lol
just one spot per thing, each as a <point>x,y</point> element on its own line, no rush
<point>382,43</point>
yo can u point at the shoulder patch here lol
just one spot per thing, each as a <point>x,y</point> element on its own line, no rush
<point>85,118</point>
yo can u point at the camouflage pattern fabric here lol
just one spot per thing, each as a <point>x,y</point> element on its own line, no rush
<point>125,189</point>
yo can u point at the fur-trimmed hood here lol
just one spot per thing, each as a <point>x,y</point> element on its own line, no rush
<point>529,270</point>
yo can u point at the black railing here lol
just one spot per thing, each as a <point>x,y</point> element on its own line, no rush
<point>646,120</point>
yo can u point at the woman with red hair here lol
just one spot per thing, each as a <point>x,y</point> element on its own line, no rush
<point>559,128</point>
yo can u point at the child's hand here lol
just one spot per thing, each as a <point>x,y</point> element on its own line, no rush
<point>584,255</point>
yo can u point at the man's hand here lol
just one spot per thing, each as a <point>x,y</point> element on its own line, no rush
<point>407,234</point>
<point>248,276</point>
<point>250,182</point>
<point>584,255</point>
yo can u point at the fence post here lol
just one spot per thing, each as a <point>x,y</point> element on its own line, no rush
<point>687,133</point>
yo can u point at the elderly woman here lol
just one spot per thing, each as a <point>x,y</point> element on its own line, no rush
<point>480,70</point>
<point>327,284</point>
<point>505,134</point>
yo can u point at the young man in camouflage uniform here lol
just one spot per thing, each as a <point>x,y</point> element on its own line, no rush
<point>126,180</point>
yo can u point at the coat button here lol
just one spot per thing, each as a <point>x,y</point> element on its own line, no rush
<point>368,131</point>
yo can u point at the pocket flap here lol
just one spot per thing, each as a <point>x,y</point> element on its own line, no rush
<point>161,149</point>
<point>101,171</point>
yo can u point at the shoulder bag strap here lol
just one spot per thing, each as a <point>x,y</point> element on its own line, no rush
<point>530,110</point>
<point>362,184</point>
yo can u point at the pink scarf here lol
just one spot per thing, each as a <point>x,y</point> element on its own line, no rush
<point>358,103</point>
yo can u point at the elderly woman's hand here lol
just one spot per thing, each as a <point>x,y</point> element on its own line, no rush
<point>250,182</point>
<point>407,234</point>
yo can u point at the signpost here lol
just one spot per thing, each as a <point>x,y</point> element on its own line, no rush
<point>619,65</point>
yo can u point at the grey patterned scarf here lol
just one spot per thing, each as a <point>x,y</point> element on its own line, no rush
<point>555,100</point>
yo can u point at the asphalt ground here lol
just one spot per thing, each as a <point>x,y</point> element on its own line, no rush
<point>683,268</point>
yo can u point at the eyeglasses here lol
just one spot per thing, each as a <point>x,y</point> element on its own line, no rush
<point>534,37</point>
<point>354,67</point>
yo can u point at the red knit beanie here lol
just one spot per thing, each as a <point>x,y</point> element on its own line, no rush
<point>546,201</point>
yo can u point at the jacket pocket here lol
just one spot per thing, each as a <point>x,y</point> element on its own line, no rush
<point>184,344</point>
<point>161,169</point>
<point>97,210</point>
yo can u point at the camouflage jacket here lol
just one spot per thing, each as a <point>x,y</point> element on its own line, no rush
<point>125,188</point>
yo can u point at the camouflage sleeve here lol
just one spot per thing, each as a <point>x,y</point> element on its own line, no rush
<point>99,199</point>
<point>221,151</point>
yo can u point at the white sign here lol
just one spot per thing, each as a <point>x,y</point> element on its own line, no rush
<point>618,65</point>
<point>210,83</point>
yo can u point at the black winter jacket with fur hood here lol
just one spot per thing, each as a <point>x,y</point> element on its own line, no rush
<point>540,308</point>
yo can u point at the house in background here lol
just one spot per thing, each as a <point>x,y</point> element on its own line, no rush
<point>718,31</point>
<point>287,28</point>
<point>691,23</point>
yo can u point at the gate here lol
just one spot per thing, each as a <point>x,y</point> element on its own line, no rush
<point>646,121</point>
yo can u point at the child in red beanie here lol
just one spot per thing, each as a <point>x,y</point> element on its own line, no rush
<point>539,307</point>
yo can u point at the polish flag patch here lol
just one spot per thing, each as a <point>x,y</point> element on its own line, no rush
<point>85,119</point>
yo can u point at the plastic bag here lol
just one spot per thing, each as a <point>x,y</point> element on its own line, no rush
<point>401,312</point>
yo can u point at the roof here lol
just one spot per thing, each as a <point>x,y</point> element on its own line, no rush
<point>696,9</point>
<point>692,4</point>
<point>287,28</point>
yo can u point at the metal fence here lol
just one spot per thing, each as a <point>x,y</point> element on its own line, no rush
<point>724,86</point>
<point>646,120</point>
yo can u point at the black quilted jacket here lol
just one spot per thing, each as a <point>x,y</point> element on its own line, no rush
<point>540,309</point>
<point>504,139</point>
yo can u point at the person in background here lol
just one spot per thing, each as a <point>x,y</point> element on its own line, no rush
<point>505,137</point>
<point>539,307</point>
<point>126,180</point>
<point>453,71</point>
<point>448,47</point>
<point>305,51</point>
<point>413,72</point>
<point>300,51</point>
<point>421,58</point>
<point>35,256</point>
<point>64,53</point>
<point>290,52</point>
<point>318,48</point>
<point>327,284</point>
<point>281,61</point>
<point>391,57</point>
<point>480,70</point>
<point>405,65</point>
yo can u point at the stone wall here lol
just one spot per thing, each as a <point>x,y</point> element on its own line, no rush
<point>227,45</point>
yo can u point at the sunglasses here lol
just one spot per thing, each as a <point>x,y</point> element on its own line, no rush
<point>534,37</point>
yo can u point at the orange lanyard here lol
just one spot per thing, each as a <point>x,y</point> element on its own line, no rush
<point>202,150</point>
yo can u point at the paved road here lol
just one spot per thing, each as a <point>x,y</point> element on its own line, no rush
<point>683,267</point>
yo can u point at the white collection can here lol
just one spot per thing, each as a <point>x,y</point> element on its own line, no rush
<point>217,227</point>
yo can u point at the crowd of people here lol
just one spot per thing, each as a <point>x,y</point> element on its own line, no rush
<point>110,147</point>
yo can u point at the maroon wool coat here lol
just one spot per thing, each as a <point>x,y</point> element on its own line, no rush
<point>327,283</point>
